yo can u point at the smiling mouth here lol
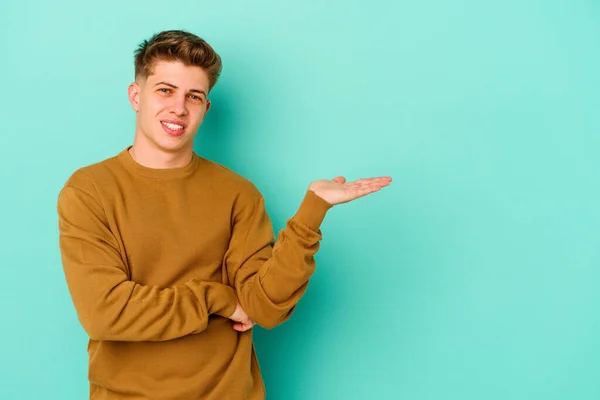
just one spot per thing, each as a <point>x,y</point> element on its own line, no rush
<point>173,129</point>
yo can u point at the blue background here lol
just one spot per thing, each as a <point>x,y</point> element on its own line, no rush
<point>473,276</point>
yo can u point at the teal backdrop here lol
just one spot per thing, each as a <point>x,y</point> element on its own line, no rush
<point>475,275</point>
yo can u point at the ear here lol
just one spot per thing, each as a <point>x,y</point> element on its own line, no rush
<point>208,103</point>
<point>133,92</point>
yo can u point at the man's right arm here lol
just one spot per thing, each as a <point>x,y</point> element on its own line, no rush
<point>108,304</point>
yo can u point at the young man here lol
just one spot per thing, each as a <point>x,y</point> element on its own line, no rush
<point>170,258</point>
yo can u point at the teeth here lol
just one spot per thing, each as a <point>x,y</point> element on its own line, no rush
<point>173,126</point>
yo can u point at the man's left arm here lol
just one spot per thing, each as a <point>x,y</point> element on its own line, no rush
<point>270,277</point>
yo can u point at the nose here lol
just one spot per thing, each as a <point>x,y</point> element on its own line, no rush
<point>178,107</point>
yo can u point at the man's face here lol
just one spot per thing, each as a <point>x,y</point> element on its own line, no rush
<point>171,105</point>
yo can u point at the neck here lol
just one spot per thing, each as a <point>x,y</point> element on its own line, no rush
<point>156,158</point>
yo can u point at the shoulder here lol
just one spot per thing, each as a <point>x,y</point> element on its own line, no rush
<point>231,182</point>
<point>89,178</point>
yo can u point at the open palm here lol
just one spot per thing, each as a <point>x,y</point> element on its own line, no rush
<point>337,190</point>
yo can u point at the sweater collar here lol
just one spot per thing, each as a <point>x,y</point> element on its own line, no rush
<point>157,173</point>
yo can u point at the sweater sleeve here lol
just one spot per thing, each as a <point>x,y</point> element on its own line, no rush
<point>270,277</point>
<point>108,304</point>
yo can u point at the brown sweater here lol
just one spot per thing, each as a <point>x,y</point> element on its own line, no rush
<point>156,259</point>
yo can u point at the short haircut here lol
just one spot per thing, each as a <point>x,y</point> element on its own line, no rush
<point>177,45</point>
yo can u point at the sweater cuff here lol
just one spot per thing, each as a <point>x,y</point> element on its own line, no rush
<point>312,210</point>
<point>220,299</point>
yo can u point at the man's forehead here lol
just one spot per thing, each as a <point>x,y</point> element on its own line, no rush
<point>176,73</point>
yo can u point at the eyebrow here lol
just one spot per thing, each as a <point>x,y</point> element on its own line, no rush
<point>175,87</point>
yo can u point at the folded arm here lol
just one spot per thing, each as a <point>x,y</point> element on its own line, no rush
<point>108,304</point>
<point>270,277</point>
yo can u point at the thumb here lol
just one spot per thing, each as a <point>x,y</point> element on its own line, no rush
<point>339,179</point>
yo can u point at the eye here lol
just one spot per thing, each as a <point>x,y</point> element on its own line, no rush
<point>165,90</point>
<point>194,97</point>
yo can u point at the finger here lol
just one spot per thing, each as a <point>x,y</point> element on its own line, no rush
<point>242,327</point>
<point>380,179</point>
<point>362,191</point>
<point>369,183</point>
<point>339,179</point>
<point>376,186</point>
<point>363,186</point>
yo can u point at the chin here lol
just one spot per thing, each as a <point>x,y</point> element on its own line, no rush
<point>168,143</point>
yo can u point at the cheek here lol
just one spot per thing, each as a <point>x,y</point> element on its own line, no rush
<point>149,111</point>
<point>198,115</point>
<point>158,105</point>
<point>153,104</point>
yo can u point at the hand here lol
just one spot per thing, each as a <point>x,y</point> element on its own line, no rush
<point>337,191</point>
<point>241,319</point>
